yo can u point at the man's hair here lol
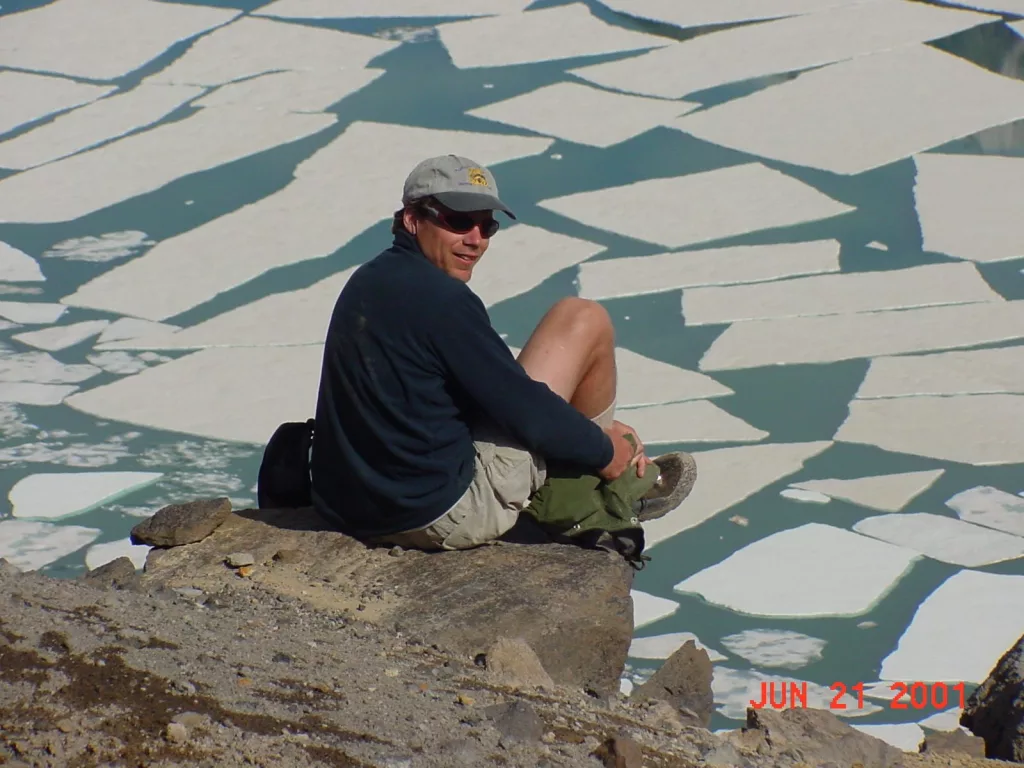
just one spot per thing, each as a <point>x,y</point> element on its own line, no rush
<point>397,221</point>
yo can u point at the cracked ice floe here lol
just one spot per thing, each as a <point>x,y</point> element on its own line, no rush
<point>700,13</point>
<point>133,328</point>
<point>99,250</point>
<point>778,47</point>
<point>31,393</point>
<point>775,647</point>
<point>41,368</point>
<point>27,97</point>
<point>236,393</point>
<point>47,448</point>
<point>31,313</point>
<point>301,221</point>
<point>663,646</point>
<point>57,495</point>
<point>970,206</point>
<point>17,266</point>
<point>101,554</point>
<point>13,422</point>
<point>30,545</point>
<point>644,381</point>
<point>523,257</point>
<point>291,91</point>
<point>830,338</point>
<point>251,46</point>
<point>733,690</point>
<point>585,115</point>
<point>931,284</point>
<point>974,372</point>
<point>693,421</point>
<point>943,538</point>
<point>143,162</point>
<point>990,507</point>
<point>288,318</point>
<point>807,497</point>
<point>889,493</point>
<point>636,275</point>
<point>561,32</point>
<point>948,720</point>
<point>1016,7</point>
<point>970,429</point>
<point>123,363</point>
<point>389,9</point>
<point>65,37</point>
<point>62,336</point>
<point>921,97</point>
<point>648,608</point>
<point>943,643</point>
<point>719,203</point>
<point>727,477</point>
<point>905,736</point>
<point>94,124</point>
<point>813,570</point>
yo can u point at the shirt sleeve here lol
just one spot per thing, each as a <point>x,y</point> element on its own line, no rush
<point>481,363</point>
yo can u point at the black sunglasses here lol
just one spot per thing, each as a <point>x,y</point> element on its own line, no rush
<point>460,223</point>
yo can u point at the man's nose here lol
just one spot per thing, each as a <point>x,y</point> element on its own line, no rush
<point>474,236</point>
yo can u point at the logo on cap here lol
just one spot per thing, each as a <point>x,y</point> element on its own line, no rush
<point>477,177</point>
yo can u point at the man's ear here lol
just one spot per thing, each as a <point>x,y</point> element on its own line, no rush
<point>410,220</point>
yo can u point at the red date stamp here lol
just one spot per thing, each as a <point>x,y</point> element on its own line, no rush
<point>916,695</point>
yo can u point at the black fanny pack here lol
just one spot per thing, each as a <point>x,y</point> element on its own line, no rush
<point>284,480</point>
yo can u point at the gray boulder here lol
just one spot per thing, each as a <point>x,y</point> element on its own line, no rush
<point>684,681</point>
<point>995,711</point>
<point>570,605</point>
<point>180,524</point>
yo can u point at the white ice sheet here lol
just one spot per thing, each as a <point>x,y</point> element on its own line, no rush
<point>928,285</point>
<point>864,113</point>
<point>889,493</point>
<point>399,9</point>
<point>944,538</point>
<point>718,204</point>
<point>64,36</point>
<point>775,47</point>
<point>27,97</point>
<point>971,206</point>
<point>17,266</point>
<point>972,372</point>
<point>144,162</point>
<point>694,421</point>
<point>638,275</point>
<point>309,218</point>
<point>831,338</point>
<point>971,429</point>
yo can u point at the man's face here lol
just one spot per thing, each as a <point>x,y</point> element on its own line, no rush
<point>452,241</point>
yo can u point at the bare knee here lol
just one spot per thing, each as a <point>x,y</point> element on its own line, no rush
<point>584,319</point>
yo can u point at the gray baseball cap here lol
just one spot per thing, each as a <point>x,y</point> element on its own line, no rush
<point>456,182</point>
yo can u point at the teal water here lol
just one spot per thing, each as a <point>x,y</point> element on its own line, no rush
<point>421,87</point>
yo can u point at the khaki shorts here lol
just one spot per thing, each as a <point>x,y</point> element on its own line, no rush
<point>505,476</point>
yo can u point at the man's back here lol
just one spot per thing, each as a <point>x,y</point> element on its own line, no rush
<point>392,449</point>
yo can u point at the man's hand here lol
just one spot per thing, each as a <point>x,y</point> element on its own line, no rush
<point>629,452</point>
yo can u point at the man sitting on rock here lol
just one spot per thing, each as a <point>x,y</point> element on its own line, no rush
<point>429,433</point>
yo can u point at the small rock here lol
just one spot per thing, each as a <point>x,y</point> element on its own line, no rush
<point>466,701</point>
<point>684,680</point>
<point>281,658</point>
<point>951,742</point>
<point>176,733</point>
<point>186,688</point>
<point>7,568</point>
<point>512,662</point>
<point>117,574</point>
<point>516,721</point>
<point>179,524</point>
<point>191,719</point>
<point>620,752</point>
<point>240,559</point>
<point>245,571</point>
<point>396,551</point>
<point>287,556</point>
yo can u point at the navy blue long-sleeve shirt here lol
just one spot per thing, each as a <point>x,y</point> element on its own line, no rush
<point>410,364</point>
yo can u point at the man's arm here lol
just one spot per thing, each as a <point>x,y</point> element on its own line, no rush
<point>527,410</point>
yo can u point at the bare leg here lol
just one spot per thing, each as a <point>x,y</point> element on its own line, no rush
<point>572,350</point>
